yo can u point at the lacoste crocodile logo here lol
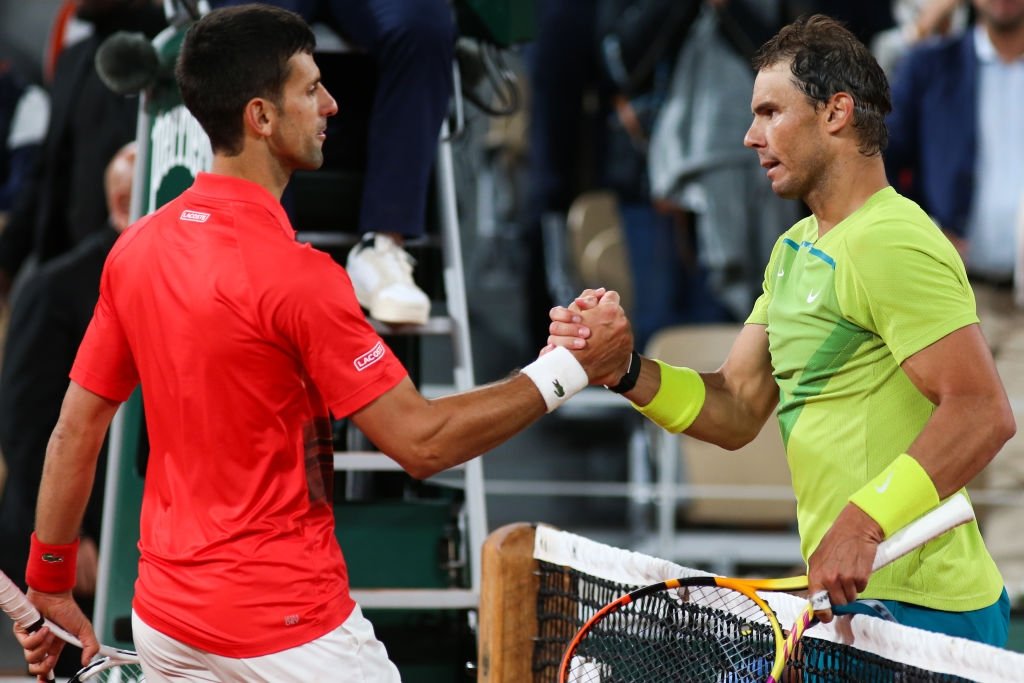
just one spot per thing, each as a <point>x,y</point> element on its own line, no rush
<point>559,391</point>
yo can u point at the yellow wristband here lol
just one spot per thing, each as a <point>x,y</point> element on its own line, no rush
<point>678,401</point>
<point>901,493</point>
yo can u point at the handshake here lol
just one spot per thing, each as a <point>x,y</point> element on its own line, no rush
<point>590,342</point>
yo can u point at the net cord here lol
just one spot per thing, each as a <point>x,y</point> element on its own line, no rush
<point>921,649</point>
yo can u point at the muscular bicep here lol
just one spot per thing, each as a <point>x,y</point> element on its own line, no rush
<point>958,365</point>
<point>85,412</point>
<point>958,375</point>
<point>394,420</point>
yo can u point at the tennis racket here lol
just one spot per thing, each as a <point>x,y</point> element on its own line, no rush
<point>110,665</point>
<point>714,628</point>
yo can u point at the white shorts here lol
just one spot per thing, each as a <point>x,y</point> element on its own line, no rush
<point>350,653</point>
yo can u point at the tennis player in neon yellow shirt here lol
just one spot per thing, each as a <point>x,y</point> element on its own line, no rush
<point>866,343</point>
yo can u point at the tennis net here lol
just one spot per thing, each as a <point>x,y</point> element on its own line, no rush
<point>577,576</point>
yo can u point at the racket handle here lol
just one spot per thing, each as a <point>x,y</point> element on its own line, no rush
<point>17,606</point>
<point>954,512</point>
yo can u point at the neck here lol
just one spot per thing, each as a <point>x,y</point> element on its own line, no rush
<point>844,189</point>
<point>261,169</point>
<point>1008,42</point>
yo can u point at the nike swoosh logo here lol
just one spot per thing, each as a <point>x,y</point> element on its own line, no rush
<point>885,485</point>
<point>812,296</point>
<point>781,272</point>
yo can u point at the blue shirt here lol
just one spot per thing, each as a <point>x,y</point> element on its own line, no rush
<point>999,164</point>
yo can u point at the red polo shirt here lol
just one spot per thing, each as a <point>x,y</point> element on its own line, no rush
<point>242,339</point>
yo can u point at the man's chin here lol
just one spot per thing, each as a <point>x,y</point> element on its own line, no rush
<point>310,164</point>
<point>784,192</point>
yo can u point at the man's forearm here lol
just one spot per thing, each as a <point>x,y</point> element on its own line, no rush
<point>479,420</point>
<point>68,474</point>
<point>70,465</point>
<point>961,438</point>
<point>727,415</point>
<point>428,436</point>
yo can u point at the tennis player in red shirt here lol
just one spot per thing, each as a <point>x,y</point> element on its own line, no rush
<point>246,343</point>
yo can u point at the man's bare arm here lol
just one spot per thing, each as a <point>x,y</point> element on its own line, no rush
<point>70,465</point>
<point>428,436</point>
<point>958,375</point>
<point>740,395</point>
<point>68,474</point>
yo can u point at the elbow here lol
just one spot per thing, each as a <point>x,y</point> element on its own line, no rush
<point>417,467</point>
<point>731,438</point>
<point>742,434</point>
<point>419,473</point>
<point>734,442</point>
<point>1004,426</point>
<point>1000,427</point>
<point>422,461</point>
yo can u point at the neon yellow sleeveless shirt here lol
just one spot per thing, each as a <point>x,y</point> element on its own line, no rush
<point>842,312</point>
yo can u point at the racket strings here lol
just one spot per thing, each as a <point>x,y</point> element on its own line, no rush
<point>105,671</point>
<point>693,634</point>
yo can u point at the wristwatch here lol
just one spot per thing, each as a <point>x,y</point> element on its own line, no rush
<point>628,380</point>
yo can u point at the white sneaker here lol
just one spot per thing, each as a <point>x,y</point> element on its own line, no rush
<point>381,273</point>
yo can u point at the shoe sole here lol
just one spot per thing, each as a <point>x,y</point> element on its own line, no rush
<point>396,314</point>
<point>392,313</point>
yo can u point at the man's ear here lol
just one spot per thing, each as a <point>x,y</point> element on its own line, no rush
<point>259,116</point>
<point>839,112</point>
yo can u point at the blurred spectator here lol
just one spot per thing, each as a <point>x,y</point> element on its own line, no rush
<point>916,20</point>
<point>698,161</point>
<point>413,45</point>
<point>639,44</point>
<point>569,97</point>
<point>957,148</point>
<point>601,73</point>
<point>50,316</point>
<point>24,110</point>
<point>63,199</point>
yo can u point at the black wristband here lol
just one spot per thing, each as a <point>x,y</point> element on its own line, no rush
<point>628,380</point>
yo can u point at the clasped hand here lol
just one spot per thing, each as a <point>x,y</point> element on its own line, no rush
<point>595,328</point>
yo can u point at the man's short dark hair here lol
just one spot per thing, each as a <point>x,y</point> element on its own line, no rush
<point>825,58</point>
<point>232,55</point>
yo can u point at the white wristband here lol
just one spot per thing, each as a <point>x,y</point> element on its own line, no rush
<point>558,376</point>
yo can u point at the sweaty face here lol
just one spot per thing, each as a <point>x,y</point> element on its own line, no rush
<point>785,133</point>
<point>300,129</point>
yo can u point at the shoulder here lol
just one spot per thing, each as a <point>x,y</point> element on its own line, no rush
<point>896,230</point>
<point>133,233</point>
<point>300,269</point>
